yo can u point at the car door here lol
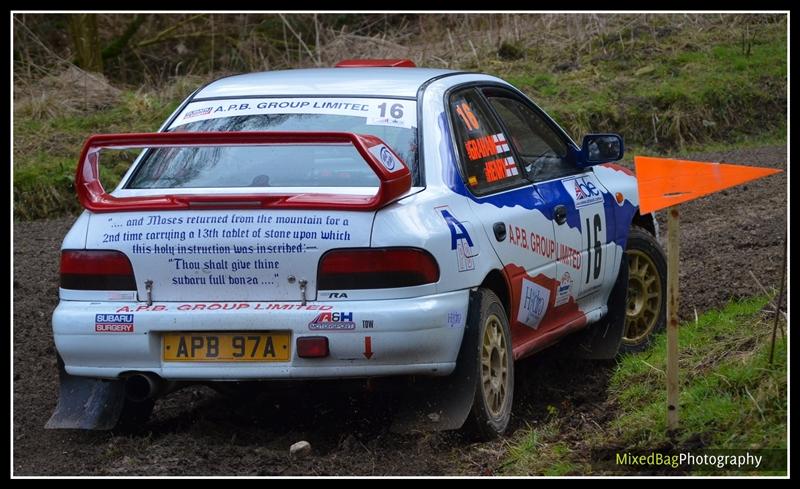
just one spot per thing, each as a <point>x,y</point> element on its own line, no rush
<point>572,198</point>
<point>511,212</point>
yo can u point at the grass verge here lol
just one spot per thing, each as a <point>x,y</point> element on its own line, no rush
<point>731,398</point>
<point>48,137</point>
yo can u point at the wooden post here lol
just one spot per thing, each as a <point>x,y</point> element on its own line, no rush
<point>780,302</point>
<point>673,252</point>
<point>663,184</point>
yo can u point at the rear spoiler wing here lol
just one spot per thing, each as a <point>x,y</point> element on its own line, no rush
<point>393,174</point>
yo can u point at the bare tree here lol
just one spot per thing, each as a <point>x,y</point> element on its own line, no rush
<point>85,40</point>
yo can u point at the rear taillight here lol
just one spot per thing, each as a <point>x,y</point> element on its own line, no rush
<point>376,268</point>
<point>96,270</point>
<point>312,347</point>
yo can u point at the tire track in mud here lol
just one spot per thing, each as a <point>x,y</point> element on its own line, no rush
<point>196,431</point>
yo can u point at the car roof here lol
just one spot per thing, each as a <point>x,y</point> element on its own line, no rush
<point>388,82</point>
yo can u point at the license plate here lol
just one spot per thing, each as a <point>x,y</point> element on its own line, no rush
<point>226,347</point>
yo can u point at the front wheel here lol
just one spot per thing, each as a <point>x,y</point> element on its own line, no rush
<point>491,344</point>
<point>645,309</point>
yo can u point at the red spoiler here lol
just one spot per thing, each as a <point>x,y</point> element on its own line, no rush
<point>394,175</point>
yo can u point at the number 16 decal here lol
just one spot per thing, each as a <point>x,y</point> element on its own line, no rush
<point>465,112</point>
<point>598,249</point>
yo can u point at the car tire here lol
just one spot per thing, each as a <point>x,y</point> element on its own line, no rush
<point>489,340</point>
<point>646,304</point>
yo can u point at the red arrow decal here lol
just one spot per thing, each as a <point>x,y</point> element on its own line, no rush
<point>368,347</point>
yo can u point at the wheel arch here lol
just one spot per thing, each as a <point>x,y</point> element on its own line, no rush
<point>647,222</point>
<point>497,282</point>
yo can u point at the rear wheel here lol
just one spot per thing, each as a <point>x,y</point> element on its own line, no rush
<point>645,311</point>
<point>491,344</point>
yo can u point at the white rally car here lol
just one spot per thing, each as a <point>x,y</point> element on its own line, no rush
<point>369,220</point>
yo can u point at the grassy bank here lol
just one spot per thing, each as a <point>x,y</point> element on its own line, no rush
<point>668,83</point>
<point>731,398</point>
<point>47,142</point>
<point>663,86</point>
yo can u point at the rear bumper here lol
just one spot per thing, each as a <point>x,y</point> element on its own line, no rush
<point>419,336</point>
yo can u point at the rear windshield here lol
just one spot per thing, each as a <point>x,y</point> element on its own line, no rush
<point>280,165</point>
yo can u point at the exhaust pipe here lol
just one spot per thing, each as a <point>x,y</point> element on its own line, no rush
<point>142,386</point>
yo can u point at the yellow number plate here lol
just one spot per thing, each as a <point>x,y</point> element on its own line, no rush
<point>226,347</point>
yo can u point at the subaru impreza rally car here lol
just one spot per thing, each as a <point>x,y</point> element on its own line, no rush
<point>369,220</point>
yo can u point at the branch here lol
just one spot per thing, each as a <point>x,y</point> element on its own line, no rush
<point>115,48</point>
<point>162,36</point>
<point>300,39</point>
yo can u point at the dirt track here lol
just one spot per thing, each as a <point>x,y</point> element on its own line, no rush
<point>196,431</point>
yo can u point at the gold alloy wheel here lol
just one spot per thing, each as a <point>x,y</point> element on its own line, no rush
<point>644,297</point>
<point>494,366</point>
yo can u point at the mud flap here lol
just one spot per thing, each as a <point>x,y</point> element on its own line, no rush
<point>442,403</point>
<point>85,403</point>
<point>601,341</point>
<point>436,405</point>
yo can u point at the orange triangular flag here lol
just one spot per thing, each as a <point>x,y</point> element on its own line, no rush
<point>665,182</point>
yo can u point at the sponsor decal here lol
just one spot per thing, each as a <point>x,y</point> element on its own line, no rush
<point>142,307</point>
<point>387,112</point>
<point>460,240</point>
<point>388,160</point>
<point>583,191</point>
<point>113,323</point>
<point>564,290</point>
<point>532,303</point>
<point>536,243</point>
<point>386,157</point>
<point>466,260</point>
<point>226,306</point>
<point>367,323</point>
<point>197,112</point>
<point>332,321</point>
<point>568,313</point>
<point>455,319</point>
<point>569,256</point>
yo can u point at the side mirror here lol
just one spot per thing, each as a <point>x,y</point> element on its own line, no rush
<point>601,148</point>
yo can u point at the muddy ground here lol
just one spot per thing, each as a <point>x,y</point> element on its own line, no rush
<point>196,431</point>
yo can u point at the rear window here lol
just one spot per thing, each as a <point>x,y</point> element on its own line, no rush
<point>280,165</point>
